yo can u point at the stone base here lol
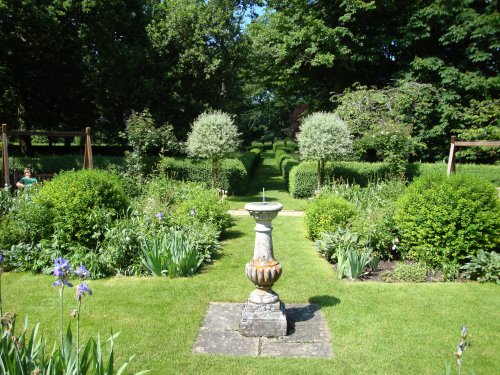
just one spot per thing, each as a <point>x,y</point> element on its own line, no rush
<point>267,320</point>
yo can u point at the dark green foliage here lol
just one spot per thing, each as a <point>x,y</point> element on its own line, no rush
<point>232,175</point>
<point>80,203</point>
<point>327,213</point>
<point>483,267</point>
<point>445,219</point>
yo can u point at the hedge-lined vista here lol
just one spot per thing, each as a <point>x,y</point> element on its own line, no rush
<point>213,136</point>
<point>323,136</point>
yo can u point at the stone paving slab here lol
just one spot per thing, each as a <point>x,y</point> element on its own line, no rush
<point>308,334</point>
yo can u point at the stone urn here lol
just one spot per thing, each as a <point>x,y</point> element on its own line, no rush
<point>264,314</point>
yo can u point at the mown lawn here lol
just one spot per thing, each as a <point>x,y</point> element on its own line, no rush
<point>376,328</point>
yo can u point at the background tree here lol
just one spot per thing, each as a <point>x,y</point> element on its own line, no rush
<point>213,136</point>
<point>323,136</point>
<point>145,136</point>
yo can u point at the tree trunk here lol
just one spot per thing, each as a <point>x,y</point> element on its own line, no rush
<point>320,174</point>
<point>214,173</point>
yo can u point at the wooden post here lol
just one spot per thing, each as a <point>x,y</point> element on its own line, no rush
<point>451,158</point>
<point>88,163</point>
<point>5,157</point>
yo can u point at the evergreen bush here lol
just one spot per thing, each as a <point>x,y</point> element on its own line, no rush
<point>78,203</point>
<point>444,219</point>
<point>326,213</point>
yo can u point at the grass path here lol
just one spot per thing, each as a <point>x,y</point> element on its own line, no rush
<point>268,176</point>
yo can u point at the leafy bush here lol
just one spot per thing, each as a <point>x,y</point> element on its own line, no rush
<point>326,213</point>
<point>376,204</point>
<point>445,219</point>
<point>232,175</point>
<point>343,247</point>
<point>483,267</point>
<point>184,203</point>
<point>79,203</point>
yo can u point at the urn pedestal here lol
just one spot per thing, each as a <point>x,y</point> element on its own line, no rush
<point>264,314</point>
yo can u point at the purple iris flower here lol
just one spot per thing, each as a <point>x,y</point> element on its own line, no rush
<point>82,272</point>
<point>81,290</point>
<point>193,211</point>
<point>62,281</point>
<point>160,215</point>
<point>61,271</point>
<point>464,330</point>
<point>1,258</point>
<point>62,263</point>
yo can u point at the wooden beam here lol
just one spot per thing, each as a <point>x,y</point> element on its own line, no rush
<point>477,143</point>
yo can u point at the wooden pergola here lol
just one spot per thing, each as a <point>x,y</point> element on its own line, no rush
<point>85,135</point>
<point>455,142</point>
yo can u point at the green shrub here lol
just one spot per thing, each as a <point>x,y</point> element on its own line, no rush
<point>185,202</point>
<point>483,267</point>
<point>79,203</point>
<point>303,179</point>
<point>286,167</point>
<point>285,145</point>
<point>232,174</point>
<point>445,219</point>
<point>250,159</point>
<point>326,213</point>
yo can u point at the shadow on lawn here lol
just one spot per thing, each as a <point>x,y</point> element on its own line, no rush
<point>324,301</point>
<point>231,234</point>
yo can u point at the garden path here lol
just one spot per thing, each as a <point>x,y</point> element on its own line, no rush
<point>267,176</point>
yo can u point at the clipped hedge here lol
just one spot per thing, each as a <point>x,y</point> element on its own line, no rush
<point>250,160</point>
<point>233,176</point>
<point>444,219</point>
<point>287,146</point>
<point>302,182</point>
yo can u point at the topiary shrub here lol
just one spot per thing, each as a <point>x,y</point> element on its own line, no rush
<point>326,213</point>
<point>444,219</point>
<point>80,202</point>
